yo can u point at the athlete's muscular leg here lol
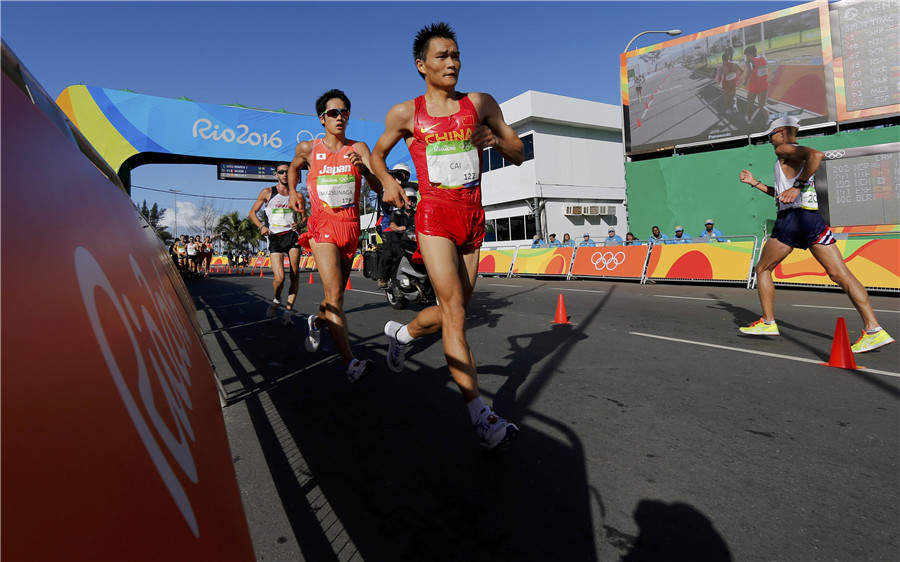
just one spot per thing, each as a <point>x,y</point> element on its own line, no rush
<point>772,254</point>
<point>334,270</point>
<point>453,277</point>
<point>276,262</point>
<point>294,259</point>
<point>830,258</point>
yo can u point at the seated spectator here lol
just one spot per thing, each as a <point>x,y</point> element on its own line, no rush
<point>681,237</point>
<point>711,232</point>
<point>567,240</point>
<point>630,240</point>
<point>537,241</point>
<point>613,239</point>
<point>657,237</point>
<point>587,240</point>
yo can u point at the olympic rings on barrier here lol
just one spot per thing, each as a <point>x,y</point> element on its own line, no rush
<point>834,154</point>
<point>601,260</point>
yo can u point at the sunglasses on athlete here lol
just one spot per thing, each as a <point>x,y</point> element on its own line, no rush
<point>773,133</point>
<point>279,172</point>
<point>334,113</point>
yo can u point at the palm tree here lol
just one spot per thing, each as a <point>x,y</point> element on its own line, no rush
<point>236,232</point>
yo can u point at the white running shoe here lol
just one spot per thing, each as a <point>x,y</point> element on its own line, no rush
<point>287,319</point>
<point>273,309</point>
<point>494,430</point>
<point>396,350</point>
<point>314,337</point>
<point>357,369</point>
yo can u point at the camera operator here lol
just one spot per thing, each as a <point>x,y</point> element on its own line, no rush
<point>397,222</point>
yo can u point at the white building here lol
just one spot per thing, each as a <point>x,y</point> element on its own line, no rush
<point>573,174</point>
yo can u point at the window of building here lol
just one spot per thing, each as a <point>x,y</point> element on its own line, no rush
<point>502,229</point>
<point>493,161</point>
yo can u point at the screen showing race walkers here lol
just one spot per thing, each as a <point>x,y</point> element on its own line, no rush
<point>732,81</point>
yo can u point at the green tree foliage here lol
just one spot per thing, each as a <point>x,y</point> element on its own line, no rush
<point>154,217</point>
<point>237,233</point>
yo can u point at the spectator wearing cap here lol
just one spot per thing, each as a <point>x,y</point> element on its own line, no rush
<point>711,232</point>
<point>586,240</point>
<point>537,241</point>
<point>613,239</point>
<point>657,237</point>
<point>553,241</point>
<point>681,237</point>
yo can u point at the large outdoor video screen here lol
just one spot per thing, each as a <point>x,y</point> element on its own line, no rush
<point>731,81</point>
<point>860,185</point>
<point>866,39</point>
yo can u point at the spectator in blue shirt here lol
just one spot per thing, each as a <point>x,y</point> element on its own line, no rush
<point>613,239</point>
<point>657,237</point>
<point>711,232</point>
<point>631,240</point>
<point>681,237</point>
<point>587,240</point>
<point>567,240</point>
<point>553,240</point>
<point>537,241</point>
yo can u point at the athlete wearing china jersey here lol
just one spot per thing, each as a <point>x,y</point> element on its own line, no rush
<point>333,185</point>
<point>450,177</point>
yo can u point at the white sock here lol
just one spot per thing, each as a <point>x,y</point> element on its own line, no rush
<point>768,322</point>
<point>476,407</point>
<point>874,330</point>
<point>403,335</point>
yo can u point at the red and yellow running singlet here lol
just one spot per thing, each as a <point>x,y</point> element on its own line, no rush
<point>448,166</point>
<point>333,183</point>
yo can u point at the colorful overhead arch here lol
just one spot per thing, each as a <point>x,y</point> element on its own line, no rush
<point>121,124</point>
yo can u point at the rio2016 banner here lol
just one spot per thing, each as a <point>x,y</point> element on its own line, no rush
<point>734,80</point>
<point>121,124</point>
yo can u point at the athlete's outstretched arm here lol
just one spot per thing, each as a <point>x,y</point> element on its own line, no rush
<point>494,132</point>
<point>397,125</point>
<point>301,159</point>
<point>361,158</point>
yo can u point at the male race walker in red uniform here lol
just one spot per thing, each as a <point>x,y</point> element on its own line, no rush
<point>800,225</point>
<point>445,132</point>
<point>337,166</point>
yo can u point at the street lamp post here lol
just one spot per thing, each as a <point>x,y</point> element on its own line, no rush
<point>175,193</point>
<point>672,32</point>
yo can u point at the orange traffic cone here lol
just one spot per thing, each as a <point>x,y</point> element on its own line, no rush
<point>310,279</point>
<point>639,122</point>
<point>561,317</point>
<point>261,272</point>
<point>841,354</point>
<point>229,271</point>
<point>349,286</point>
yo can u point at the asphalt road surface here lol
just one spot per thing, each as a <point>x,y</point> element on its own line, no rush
<point>650,428</point>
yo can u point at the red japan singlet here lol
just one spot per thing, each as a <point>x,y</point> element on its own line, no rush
<point>333,183</point>
<point>448,166</point>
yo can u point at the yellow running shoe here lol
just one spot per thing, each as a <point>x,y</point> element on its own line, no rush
<point>868,342</point>
<point>760,328</point>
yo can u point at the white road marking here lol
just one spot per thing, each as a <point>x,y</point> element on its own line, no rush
<point>754,352</point>
<point>503,285</point>
<point>843,308</point>
<point>577,290</point>
<point>689,298</point>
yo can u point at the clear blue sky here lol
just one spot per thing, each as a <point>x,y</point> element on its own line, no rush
<point>276,55</point>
